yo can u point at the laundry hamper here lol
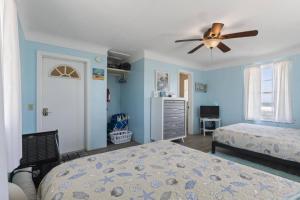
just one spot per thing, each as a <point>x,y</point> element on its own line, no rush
<point>120,136</point>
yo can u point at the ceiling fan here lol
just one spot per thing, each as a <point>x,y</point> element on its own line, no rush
<point>212,38</point>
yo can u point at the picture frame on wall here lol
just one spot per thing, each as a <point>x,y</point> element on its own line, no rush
<point>162,81</point>
<point>200,87</point>
<point>98,74</point>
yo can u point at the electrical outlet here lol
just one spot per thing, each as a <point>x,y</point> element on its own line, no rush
<point>30,107</point>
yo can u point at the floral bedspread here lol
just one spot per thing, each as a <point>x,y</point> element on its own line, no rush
<point>275,141</point>
<point>162,170</point>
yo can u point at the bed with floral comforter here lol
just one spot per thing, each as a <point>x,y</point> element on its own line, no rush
<point>162,170</point>
<point>278,142</point>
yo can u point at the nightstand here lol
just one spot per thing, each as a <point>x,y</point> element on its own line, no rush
<point>204,120</point>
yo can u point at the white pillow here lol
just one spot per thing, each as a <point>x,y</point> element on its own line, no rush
<point>15,192</point>
<point>24,181</point>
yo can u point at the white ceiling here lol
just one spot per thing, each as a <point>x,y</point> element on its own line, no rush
<point>137,25</point>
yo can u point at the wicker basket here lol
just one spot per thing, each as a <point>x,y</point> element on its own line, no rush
<point>119,137</point>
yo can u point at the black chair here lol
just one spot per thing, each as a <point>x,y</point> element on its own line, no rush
<point>41,152</point>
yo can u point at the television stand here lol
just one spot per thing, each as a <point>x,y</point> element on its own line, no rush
<point>204,120</point>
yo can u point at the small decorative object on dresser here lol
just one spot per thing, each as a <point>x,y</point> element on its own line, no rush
<point>168,118</point>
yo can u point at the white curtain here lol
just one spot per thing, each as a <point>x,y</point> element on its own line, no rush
<point>252,93</point>
<point>10,84</point>
<point>3,155</point>
<point>281,92</point>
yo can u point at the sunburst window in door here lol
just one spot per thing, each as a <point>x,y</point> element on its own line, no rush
<point>65,71</point>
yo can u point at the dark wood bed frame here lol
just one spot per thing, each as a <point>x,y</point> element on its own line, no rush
<point>255,154</point>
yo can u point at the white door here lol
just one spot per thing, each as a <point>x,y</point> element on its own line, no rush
<point>190,104</point>
<point>186,91</point>
<point>62,101</point>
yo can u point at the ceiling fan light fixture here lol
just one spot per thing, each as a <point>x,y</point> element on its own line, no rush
<point>212,38</point>
<point>211,43</point>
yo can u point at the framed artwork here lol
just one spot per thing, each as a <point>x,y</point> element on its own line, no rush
<point>200,87</point>
<point>162,81</point>
<point>98,74</point>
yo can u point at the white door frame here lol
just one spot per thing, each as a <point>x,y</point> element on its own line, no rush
<point>39,89</point>
<point>191,98</point>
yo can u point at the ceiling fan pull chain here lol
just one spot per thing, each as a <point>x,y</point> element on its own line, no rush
<point>211,56</point>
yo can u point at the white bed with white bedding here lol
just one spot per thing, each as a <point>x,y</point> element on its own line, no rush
<point>162,170</point>
<point>283,143</point>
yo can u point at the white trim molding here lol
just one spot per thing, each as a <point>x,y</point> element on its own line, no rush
<point>246,61</point>
<point>136,56</point>
<point>39,89</point>
<point>65,43</point>
<point>160,57</point>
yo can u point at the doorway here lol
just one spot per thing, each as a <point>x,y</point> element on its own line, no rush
<point>62,99</point>
<point>185,91</point>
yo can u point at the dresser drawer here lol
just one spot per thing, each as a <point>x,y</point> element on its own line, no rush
<point>168,111</point>
<point>172,104</point>
<point>173,133</point>
<point>174,115</point>
<point>175,118</point>
<point>173,125</point>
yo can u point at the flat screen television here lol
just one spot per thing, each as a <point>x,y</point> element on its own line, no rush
<point>209,111</point>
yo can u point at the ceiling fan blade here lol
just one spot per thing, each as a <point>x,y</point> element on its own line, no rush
<point>216,29</point>
<point>207,33</point>
<point>189,40</point>
<point>240,34</point>
<point>195,49</point>
<point>223,47</point>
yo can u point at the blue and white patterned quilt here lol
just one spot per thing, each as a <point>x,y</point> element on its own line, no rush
<point>162,170</point>
<point>274,141</point>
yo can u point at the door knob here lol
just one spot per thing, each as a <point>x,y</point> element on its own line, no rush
<point>45,112</point>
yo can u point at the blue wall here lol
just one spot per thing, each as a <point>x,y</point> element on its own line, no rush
<point>225,88</point>
<point>114,106</point>
<point>98,89</point>
<point>150,67</point>
<point>132,99</point>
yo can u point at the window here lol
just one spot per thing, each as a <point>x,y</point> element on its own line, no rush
<point>267,100</point>
<point>267,93</point>
<point>65,72</point>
